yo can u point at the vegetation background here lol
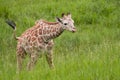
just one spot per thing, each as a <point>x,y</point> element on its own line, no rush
<point>92,53</point>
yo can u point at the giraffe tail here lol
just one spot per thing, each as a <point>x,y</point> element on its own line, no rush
<point>13,25</point>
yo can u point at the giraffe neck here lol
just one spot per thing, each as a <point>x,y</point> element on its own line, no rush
<point>58,31</point>
<point>52,31</point>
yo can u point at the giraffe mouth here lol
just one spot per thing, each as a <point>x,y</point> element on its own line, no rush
<point>74,30</point>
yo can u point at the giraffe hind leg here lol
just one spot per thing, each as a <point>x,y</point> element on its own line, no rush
<point>20,56</point>
<point>33,60</point>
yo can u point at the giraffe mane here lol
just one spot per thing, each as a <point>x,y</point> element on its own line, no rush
<point>50,23</point>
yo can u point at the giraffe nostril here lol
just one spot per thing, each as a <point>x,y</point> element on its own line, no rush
<point>74,28</point>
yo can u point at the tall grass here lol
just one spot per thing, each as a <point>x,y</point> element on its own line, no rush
<point>92,53</point>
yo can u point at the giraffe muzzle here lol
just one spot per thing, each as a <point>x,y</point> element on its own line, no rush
<point>74,30</point>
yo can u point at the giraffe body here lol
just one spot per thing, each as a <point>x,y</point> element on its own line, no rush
<point>39,38</point>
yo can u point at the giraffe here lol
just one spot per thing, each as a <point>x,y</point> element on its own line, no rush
<point>39,38</point>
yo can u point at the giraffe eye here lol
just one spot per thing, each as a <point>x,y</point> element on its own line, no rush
<point>65,23</point>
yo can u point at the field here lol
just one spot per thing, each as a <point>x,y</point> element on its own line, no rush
<point>92,53</point>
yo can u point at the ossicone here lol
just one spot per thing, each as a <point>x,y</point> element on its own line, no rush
<point>63,14</point>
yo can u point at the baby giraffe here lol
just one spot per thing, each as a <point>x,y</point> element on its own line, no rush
<point>39,38</point>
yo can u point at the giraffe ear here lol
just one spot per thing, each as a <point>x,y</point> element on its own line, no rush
<point>59,20</point>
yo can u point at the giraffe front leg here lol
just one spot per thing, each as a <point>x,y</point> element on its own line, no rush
<point>49,58</point>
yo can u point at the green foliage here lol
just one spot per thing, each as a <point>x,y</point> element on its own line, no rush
<point>92,53</point>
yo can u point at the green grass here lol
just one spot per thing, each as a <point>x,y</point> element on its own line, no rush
<point>92,53</point>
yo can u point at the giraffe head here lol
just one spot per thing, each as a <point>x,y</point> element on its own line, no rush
<point>67,22</point>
